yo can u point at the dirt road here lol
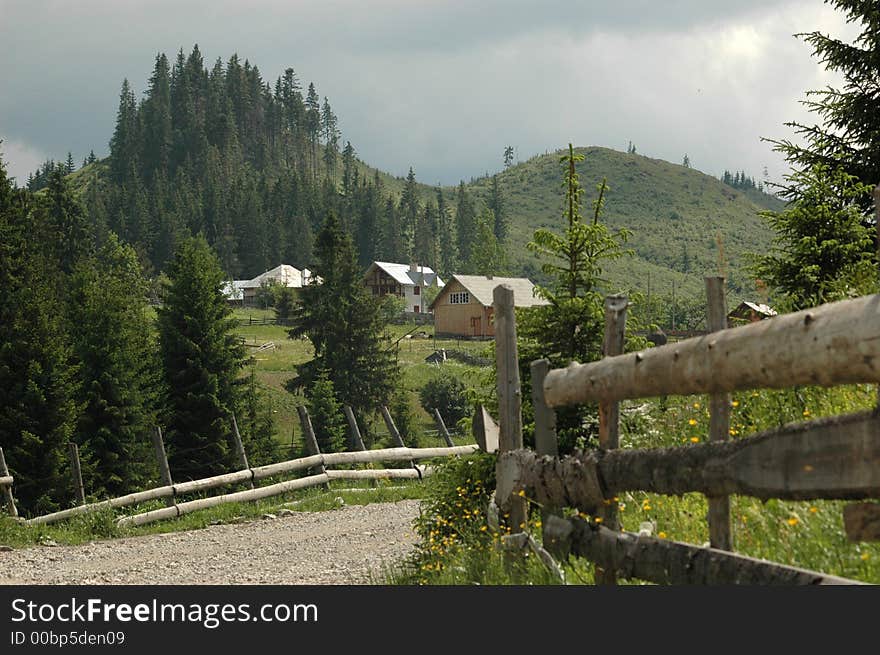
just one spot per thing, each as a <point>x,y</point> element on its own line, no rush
<point>349,545</point>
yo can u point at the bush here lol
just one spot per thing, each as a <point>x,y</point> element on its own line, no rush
<point>448,394</point>
<point>404,418</point>
<point>326,414</point>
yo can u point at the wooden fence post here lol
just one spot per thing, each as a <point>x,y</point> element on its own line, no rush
<point>7,489</point>
<point>392,428</point>
<point>239,450</point>
<point>719,417</point>
<point>441,425</point>
<point>509,390</point>
<point>76,472</point>
<point>162,459</point>
<point>609,411</point>
<point>356,441</point>
<point>545,422</point>
<point>309,439</point>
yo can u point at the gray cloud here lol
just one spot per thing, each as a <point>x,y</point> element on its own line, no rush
<point>441,86</point>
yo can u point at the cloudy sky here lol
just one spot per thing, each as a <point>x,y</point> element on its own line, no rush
<point>440,86</point>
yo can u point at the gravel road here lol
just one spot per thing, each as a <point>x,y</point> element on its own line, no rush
<point>343,546</point>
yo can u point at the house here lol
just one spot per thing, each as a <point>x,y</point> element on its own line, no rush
<point>463,307</point>
<point>244,292</point>
<point>402,280</point>
<point>749,312</point>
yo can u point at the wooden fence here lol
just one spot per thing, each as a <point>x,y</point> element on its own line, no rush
<point>319,463</point>
<point>832,458</point>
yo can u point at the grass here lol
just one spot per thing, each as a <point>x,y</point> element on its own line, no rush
<point>456,548</point>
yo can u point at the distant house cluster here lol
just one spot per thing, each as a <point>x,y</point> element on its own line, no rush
<point>244,292</point>
<point>461,307</point>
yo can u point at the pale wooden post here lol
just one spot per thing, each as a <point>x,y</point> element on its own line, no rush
<point>441,425</point>
<point>719,418</point>
<point>545,422</point>
<point>609,411</point>
<point>239,450</point>
<point>309,439</point>
<point>7,489</point>
<point>509,390</point>
<point>877,227</point>
<point>356,441</point>
<point>76,472</point>
<point>392,428</point>
<point>162,459</point>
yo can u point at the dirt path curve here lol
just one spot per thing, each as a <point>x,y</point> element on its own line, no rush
<point>342,546</point>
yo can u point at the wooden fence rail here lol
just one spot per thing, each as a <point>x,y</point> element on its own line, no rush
<point>831,458</point>
<point>270,470</point>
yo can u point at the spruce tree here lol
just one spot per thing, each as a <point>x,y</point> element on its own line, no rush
<point>465,223</point>
<point>346,327</point>
<point>113,345</point>
<point>325,412</point>
<point>201,360</point>
<point>496,204</point>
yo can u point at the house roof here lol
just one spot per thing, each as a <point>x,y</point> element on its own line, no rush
<point>742,309</point>
<point>403,273</point>
<point>481,287</point>
<point>285,275</point>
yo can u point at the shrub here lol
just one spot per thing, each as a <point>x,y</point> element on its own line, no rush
<point>448,394</point>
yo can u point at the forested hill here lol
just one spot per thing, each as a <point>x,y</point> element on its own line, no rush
<point>256,164</point>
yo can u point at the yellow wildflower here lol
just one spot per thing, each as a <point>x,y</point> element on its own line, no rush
<point>865,557</point>
<point>734,403</point>
<point>793,521</point>
<point>813,510</point>
<point>661,534</point>
<point>695,440</point>
<point>692,421</point>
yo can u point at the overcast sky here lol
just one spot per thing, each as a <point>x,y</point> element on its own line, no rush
<point>439,86</point>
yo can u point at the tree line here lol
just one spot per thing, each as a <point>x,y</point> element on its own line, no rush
<point>256,167</point>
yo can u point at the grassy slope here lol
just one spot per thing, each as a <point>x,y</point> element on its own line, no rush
<point>666,206</point>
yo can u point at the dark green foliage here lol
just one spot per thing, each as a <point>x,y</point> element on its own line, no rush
<point>256,424</point>
<point>115,350</point>
<point>37,381</point>
<point>822,251</point>
<point>499,211</point>
<point>285,301</point>
<point>325,412</point>
<point>570,328</point>
<point>404,417</point>
<point>465,223</point>
<point>345,324</point>
<point>486,254</point>
<point>448,394</point>
<point>202,359</point>
<point>848,118</point>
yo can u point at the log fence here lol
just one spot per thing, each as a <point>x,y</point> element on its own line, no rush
<point>830,458</point>
<point>320,464</point>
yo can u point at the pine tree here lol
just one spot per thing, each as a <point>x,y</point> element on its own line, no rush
<point>125,143</point>
<point>446,237</point>
<point>346,327</point>
<point>326,415</point>
<point>256,425</point>
<point>69,167</point>
<point>465,223</point>
<point>849,117</point>
<point>157,143</point>
<point>201,361</point>
<point>508,156</point>
<point>114,348</point>
<point>409,216</point>
<point>37,378</point>
<point>486,255</point>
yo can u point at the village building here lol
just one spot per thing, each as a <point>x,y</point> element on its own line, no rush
<point>404,281</point>
<point>749,312</point>
<point>463,308</point>
<point>244,292</point>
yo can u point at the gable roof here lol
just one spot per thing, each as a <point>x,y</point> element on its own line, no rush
<point>742,310</point>
<point>481,287</point>
<point>403,274</point>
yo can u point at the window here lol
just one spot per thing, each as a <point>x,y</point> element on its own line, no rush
<point>417,291</point>
<point>417,309</point>
<point>459,298</point>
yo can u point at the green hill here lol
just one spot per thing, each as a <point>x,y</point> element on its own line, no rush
<point>677,215</point>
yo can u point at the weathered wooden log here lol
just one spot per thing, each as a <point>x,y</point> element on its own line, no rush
<point>392,428</point>
<point>7,487</point>
<point>862,521</point>
<point>441,425</point>
<point>76,473</point>
<point>240,451</point>
<point>414,473</point>
<point>609,411</point>
<point>213,482</point>
<point>121,501</point>
<point>6,481</point>
<point>670,562</point>
<point>302,463</point>
<point>719,418</point>
<point>309,439</point>
<point>509,388</point>
<point>485,431</point>
<point>837,343</point>
<point>832,458</point>
<point>356,441</point>
<point>546,442</point>
<point>162,460</point>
